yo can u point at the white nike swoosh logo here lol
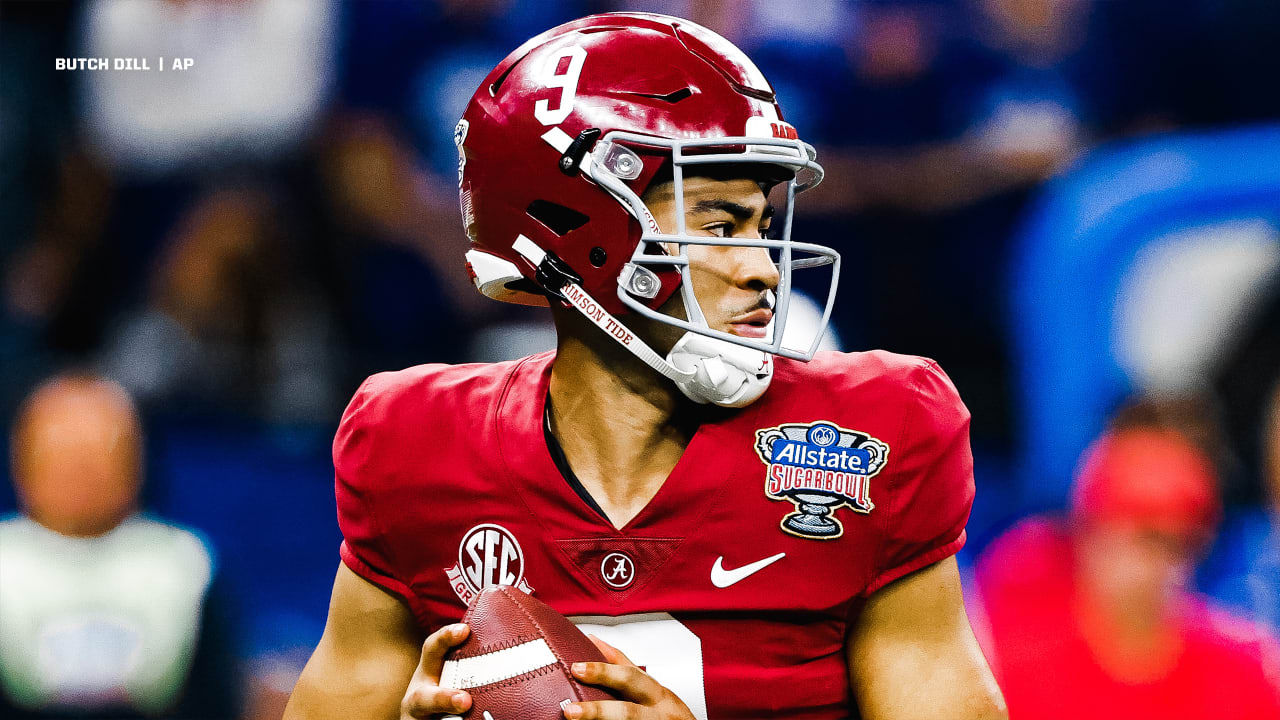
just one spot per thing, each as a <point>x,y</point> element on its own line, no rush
<point>722,578</point>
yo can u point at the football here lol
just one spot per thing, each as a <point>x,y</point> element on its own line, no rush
<point>516,661</point>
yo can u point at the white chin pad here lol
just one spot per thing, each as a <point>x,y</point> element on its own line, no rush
<point>724,373</point>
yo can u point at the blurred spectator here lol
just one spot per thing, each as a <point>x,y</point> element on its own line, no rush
<point>943,105</point>
<point>1095,618</point>
<point>391,248</point>
<point>35,111</point>
<point>230,321</point>
<point>937,120</point>
<point>56,287</point>
<point>261,72</point>
<point>103,612</point>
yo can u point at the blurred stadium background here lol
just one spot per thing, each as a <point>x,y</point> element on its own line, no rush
<point>1069,203</point>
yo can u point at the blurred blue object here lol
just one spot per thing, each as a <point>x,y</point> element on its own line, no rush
<point>1072,258</point>
<point>265,501</point>
<point>1243,569</point>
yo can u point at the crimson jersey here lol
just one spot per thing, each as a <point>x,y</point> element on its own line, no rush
<point>735,586</point>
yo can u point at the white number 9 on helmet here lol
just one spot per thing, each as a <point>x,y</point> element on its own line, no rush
<point>566,81</point>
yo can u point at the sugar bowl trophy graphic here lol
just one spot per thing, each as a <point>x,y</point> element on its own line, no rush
<point>819,467</point>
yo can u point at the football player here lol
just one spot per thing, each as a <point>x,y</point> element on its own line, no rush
<point>750,530</point>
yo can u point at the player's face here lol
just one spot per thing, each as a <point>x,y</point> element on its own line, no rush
<point>1133,566</point>
<point>734,285</point>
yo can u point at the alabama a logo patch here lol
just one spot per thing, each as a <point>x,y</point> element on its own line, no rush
<point>488,555</point>
<point>820,467</point>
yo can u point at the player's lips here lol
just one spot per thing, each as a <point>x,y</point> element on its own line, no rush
<point>754,324</point>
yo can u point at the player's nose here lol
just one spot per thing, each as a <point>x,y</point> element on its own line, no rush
<point>754,269</point>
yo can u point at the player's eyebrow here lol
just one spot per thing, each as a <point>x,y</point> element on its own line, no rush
<point>739,211</point>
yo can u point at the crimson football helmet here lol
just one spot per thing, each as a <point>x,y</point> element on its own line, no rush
<point>564,136</point>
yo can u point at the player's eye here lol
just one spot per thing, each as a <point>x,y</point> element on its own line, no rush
<point>719,229</point>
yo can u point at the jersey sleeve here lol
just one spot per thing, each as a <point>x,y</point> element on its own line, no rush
<point>929,488</point>
<point>357,479</point>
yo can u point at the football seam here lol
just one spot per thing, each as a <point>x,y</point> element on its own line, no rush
<point>573,684</point>
<point>515,680</point>
<point>512,679</point>
<point>495,647</point>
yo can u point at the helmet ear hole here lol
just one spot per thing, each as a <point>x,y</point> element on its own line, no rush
<point>598,256</point>
<point>557,218</point>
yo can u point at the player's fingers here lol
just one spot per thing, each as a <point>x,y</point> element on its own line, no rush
<point>611,653</point>
<point>434,648</point>
<point>604,710</point>
<point>628,680</point>
<point>428,700</point>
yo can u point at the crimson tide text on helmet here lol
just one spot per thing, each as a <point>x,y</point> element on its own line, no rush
<point>564,136</point>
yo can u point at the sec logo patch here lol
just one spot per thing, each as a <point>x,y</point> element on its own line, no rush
<point>488,555</point>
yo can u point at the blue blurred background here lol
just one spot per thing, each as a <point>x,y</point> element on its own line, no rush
<point>1068,203</point>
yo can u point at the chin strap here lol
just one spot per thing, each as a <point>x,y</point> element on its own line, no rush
<point>705,369</point>
<point>555,276</point>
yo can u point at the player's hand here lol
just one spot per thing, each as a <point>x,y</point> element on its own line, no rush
<point>425,698</point>
<point>643,697</point>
